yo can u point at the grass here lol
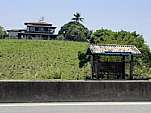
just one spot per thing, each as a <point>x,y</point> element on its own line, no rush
<point>41,60</point>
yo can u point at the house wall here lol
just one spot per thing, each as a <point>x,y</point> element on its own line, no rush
<point>72,91</point>
<point>13,34</point>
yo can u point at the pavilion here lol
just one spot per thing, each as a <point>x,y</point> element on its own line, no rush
<point>113,61</point>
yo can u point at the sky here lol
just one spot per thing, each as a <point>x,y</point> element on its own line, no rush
<point>129,15</point>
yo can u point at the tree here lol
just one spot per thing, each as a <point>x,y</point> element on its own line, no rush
<point>74,30</point>
<point>77,18</point>
<point>2,33</point>
<point>105,36</point>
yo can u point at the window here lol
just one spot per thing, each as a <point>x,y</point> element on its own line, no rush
<point>28,29</point>
<point>32,29</point>
<point>51,30</point>
<point>36,29</point>
<point>41,29</point>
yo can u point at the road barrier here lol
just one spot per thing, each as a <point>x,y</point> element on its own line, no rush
<point>75,91</point>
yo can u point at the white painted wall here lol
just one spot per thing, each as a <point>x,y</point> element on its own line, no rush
<point>13,34</point>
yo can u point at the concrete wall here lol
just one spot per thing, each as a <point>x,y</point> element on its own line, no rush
<point>52,91</point>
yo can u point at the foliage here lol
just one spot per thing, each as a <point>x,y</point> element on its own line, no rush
<point>34,60</point>
<point>3,33</point>
<point>74,30</point>
<point>143,72</point>
<point>105,36</point>
<point>77,18</point>
<point>83,59</point>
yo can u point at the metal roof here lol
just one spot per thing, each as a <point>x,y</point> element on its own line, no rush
<point>31,25</point>
<point>16,30</point>
<point>38,34</point>
<point>38,23</point>
<point>114,49</point>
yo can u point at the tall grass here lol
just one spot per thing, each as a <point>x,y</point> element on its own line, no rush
<point>41,60</point>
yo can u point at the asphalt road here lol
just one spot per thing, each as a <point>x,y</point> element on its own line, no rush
<point>109,107</point>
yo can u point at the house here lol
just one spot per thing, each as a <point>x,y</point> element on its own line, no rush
<point>34,30</point>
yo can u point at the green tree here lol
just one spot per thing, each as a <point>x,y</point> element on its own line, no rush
<point>2,33</point>
<point>77,18</point>
<point>105,36</point>
<point>74,30</point>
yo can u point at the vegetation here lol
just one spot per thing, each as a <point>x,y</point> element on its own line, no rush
<point>77,18</point>
<point>74,30</point>
<point>105,36</point>
<point>3,33</point>
<point>22,59</point>
<point>31,59</point>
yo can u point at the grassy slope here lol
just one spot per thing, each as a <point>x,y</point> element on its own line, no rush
<point>22,59</point>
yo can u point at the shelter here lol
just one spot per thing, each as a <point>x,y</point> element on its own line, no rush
<point>113,61</point>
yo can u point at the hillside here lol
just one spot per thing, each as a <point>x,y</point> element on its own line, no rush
<point>39,60</point>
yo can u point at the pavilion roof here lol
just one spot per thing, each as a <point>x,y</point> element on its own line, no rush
<point>114,49</point>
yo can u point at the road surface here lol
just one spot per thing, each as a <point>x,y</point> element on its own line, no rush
<point>97,107</point>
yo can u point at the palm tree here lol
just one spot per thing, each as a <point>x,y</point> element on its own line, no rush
<point>77,18</point>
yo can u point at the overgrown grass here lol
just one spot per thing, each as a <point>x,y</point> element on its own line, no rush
<point>40,60</point>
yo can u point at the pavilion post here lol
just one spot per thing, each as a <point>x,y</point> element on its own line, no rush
<point>123,67</point>
<point>97,68</point>
<point>92,66</point>
<point>131,67</point>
